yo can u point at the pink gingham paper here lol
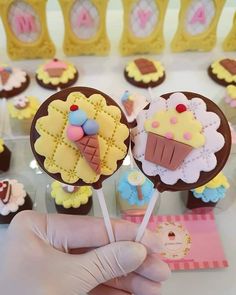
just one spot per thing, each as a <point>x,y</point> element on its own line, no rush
<point>190,241</point>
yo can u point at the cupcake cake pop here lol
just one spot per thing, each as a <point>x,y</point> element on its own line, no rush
<point>71,199</point>
<point>182,140</point>
<point>134,192</point>
<point>71,140</point>
<point>13,199</point>
<point>5,157</point>
<point>13,81</point>
<point>56,74</point>
<point>209,194</point>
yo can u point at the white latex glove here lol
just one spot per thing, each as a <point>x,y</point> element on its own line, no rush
<point>37,258</point>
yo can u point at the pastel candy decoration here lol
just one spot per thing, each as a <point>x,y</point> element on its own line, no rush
<point>91,127</point>
<point>172,135</point>
<point>125,96</point>
<point>74,133</point>
<point>128,103</point>
<point>83,132</point>
<point>77,118</point>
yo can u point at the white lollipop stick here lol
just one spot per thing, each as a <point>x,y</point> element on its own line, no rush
<point>150,94</point>
<point>58,89</point>
<point>105,214</point>
<point>5,127</point>
<point>147,215</point>
<point>131,158</point>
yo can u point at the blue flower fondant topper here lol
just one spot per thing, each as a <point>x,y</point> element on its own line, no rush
<point>135,188</point>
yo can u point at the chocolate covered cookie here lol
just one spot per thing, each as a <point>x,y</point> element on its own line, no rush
<point>13,81</point>
<point>223,71</point>
<point>56,74</point>
<point>144,73</point>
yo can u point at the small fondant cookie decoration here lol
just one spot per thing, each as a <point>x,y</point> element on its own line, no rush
<point>144,73</point>
<point>197,27</point>
<point>5,157</point>
<point>230,97</point>
<point>223,71</point>
<point>56,74</point>
<point>80,136</point>
<point>72,199</point>
<point>134,192</point>
<point>13,199</point>
<point>23,107</point>
<point>182,140</point>
<point>13,81</point>
<point>128,103</point>
<point>209,194</point>
<point>84,133</point>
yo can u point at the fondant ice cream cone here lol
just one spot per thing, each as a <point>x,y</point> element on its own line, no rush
<point>4,74</point>
<point>83,132</point>
<point>129,106</point>
<point>89,148</point>
<point>172,135</point>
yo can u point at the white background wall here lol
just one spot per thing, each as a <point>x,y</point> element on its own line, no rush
<point>116,4</point>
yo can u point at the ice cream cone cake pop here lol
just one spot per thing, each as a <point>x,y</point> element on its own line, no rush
<point>80,136</point>
<point>182,140</point>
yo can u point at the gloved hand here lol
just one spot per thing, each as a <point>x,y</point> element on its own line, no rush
<point>39,257</point>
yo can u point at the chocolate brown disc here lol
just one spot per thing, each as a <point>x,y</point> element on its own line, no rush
<point>221,155</point>
<point>50,86</point>
<point>43,111</point>
<point>141,84</point>
<point>16,90</point>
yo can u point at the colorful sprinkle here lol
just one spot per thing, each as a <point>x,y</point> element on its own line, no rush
<point>180,108</point>
<point>74,107</point>
<point>169,135</point>
<point>155,124</point>
<point>187,136</point>
<point>74,133</point>
<point>173,120</point>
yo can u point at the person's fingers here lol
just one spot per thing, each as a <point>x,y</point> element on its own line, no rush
<point>66,232</point>
<point>105,290</point>
<point>96,267</point>
<point>71,232</point>
<point>153,268</point>
<point>136,284</point>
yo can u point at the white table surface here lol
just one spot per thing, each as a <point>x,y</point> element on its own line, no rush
<point>186,72</point>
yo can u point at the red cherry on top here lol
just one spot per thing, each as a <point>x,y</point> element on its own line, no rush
<point>180,108</point>
<point>74,108</point>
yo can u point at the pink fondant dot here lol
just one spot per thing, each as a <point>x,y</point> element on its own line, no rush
<point>155,124</point>
<point>187,136</point>
<point>74,133</point>
<point>169,135</point>
<point>173,120</point>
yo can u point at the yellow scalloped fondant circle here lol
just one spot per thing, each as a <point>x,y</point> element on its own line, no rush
<point>62,156</point>
<point>231,91</point>
<point>133,72</point>
<point>219,180</point>
<point>185,123</point>
<point>66,76</point>
<point>1,145</point>
<point>27,112</point>
<point>70,200</point>
<point>221,72</point>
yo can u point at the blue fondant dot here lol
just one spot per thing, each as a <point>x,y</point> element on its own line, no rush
<point>90,127</point>
<point>77,118</point>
